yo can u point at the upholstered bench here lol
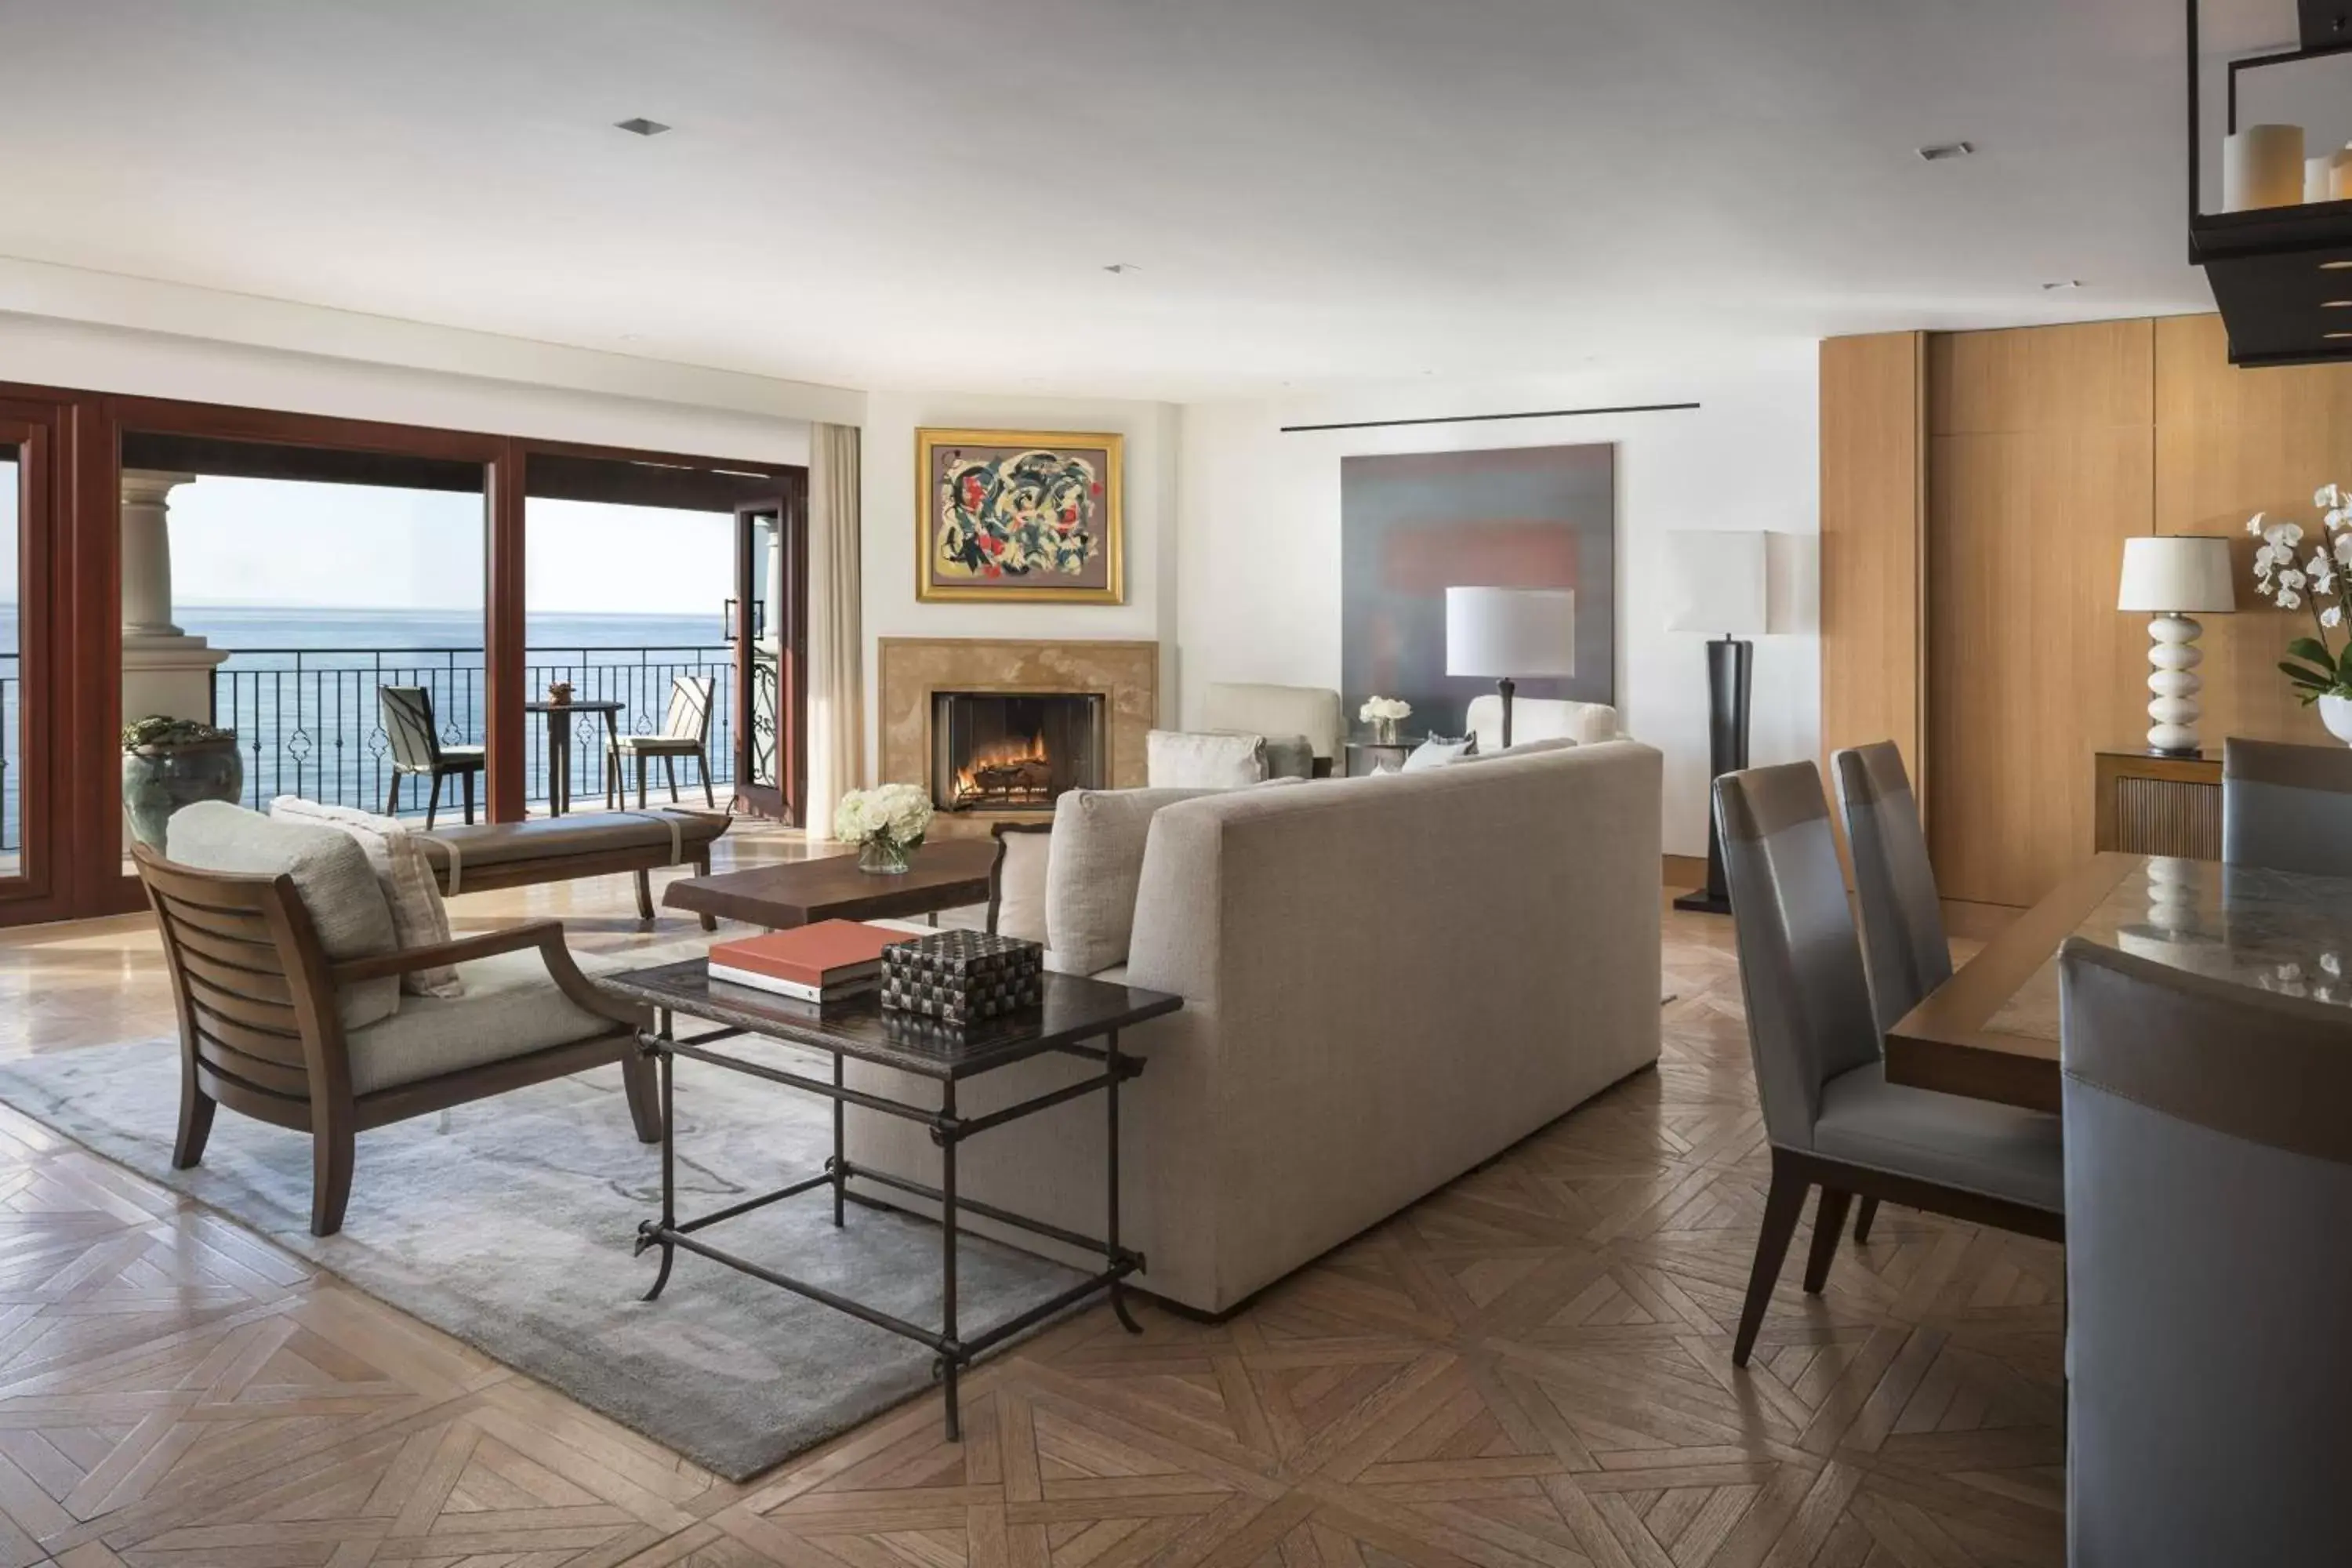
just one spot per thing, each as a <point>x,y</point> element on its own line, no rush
<point>490,855</point>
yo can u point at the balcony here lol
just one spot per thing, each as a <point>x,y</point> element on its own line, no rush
<point>308,721</point>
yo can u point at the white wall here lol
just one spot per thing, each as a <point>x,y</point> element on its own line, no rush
<point>1258,534</point>
<point>888,472</point>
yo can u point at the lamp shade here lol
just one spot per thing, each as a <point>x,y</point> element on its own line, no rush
<point>1720,583</point>
<point>2181,574</point>
<point>1501,633</point>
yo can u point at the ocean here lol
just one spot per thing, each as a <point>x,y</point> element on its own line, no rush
<point>299,688</point>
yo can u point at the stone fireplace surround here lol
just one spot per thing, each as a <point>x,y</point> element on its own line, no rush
<point>914,668</point>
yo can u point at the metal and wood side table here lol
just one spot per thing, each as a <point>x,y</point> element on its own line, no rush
<point>1075,1011</point>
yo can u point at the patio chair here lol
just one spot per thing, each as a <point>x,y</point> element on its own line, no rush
<point>282,950</point>
<point>685,732</point>
<point>416,748</point>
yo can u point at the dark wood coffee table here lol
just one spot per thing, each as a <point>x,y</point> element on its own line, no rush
<point>947,874</point>
<point>1074,1011</point>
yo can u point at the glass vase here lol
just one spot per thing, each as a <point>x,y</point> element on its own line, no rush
<point>1384,731</point>
<point>882,857</point>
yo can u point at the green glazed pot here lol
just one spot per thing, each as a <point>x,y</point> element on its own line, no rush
<point>159,780</point>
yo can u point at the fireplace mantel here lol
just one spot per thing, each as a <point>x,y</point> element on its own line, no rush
<point>914,668</point>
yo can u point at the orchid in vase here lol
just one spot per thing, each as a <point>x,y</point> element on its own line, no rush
<point>2320,666</point>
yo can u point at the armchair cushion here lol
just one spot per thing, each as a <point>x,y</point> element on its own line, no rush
<point>419,919</point>
<point>1947,1139</point>
<point>512,1007</point>
<point>1180,759</point>
<point>330,871</point>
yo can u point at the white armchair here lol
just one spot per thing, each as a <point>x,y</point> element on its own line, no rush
<point>1542,719</point>
<point>1314,711</point>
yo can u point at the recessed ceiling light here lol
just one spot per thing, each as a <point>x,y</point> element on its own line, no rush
<point>640,126</point>
<point>2062,285</point>
<point>2336,337</point>
<point>1940,151</point>
<point>2335,266</point>
<point>2336,304</point>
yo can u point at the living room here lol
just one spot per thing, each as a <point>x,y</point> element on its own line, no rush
<point>714,851</point>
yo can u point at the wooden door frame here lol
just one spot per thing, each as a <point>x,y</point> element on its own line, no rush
<point>36,428</point>
<point>788,802</point>
<point>80,620</point>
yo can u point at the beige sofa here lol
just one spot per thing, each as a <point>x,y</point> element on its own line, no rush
<point>1386,982</point>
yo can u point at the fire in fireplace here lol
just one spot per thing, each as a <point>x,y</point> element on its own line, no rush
<point>993,751</point>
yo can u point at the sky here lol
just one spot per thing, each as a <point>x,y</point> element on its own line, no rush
<point>278,542</point>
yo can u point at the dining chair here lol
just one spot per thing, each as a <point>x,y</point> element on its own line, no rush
<point>2287,807</point>
<point>2208,1189</point>
<point>416,748</point>
<point>1904,951</point>
<point>685,732</point>
<point>1832,1119</point>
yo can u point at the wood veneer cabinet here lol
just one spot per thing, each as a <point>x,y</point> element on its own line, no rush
<point>2158,805</point>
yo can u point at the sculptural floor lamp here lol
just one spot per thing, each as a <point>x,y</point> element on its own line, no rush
<point>1724,587</point>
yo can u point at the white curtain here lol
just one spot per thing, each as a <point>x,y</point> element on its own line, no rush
<point>836,638</point>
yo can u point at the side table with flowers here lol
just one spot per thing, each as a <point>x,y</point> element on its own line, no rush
<point>2319,667</point>
<point>887,824</point>
<point>1384,714</point>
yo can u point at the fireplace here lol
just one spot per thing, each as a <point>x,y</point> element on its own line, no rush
<point>1012,751</point>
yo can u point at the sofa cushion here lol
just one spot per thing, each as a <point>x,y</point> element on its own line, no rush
<point>1436,751</point>
<point>587,833</point>
<point>1996,1150</point>
<point>1183,758</point>
<point>1524,749</point>
<point>419,919</point>
<point>1289,757</point>
<point>512,1007</point>
<point>1021,885</point>
<point>1093,864</point>
<point>331,876</point>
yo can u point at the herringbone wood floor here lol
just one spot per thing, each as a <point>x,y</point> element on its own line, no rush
<point>1530,1369</point>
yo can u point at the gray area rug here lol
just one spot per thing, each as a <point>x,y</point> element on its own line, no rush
<point>511,1228</point>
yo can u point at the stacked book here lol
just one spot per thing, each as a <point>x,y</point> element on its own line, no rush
<point>831,961</point>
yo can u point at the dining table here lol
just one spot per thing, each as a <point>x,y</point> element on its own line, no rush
<point>1991,1031</point>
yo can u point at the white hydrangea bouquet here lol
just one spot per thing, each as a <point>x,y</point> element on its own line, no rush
<point>2320,667</point>
<point>1384,714</point>
<point>887,824</point>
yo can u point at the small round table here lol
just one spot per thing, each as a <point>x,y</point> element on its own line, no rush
<point>1377,757</point>
<point>559,746</point>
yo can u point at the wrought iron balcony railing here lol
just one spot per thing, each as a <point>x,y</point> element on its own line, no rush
<point>310,724</point>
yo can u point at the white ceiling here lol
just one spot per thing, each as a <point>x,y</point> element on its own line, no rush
<point>925,193</point>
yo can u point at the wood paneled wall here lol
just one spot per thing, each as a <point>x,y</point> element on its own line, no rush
<point>2044,449</point>
<point>1874,536</point>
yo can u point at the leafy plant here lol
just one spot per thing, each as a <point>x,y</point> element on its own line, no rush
<point>157,731</point>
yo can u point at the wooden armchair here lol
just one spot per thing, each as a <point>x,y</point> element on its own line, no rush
<point>261,1031</point>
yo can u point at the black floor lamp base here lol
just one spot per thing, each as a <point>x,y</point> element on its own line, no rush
<point>1728,669</point>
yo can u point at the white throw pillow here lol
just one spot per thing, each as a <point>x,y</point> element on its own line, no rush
<point>419,919</point>
<point>1185,759</point>
<point>1021,880</point>
<point>331,875</point>
<point>1095,865</point>
<point>1436,751</point>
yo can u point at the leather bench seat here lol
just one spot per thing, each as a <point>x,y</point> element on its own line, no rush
<point>489,854</point>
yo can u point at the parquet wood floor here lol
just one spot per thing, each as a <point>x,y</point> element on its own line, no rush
<point>1530,1369</point>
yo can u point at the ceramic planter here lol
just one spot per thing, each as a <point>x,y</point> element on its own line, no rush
<point>159,780</point>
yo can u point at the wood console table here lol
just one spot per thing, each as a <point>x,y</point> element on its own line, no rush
<point>2158,805</point>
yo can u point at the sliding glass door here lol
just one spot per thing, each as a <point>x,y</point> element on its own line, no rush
<point>27,526</point>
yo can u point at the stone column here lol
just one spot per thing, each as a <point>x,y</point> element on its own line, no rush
<point>164,671</point>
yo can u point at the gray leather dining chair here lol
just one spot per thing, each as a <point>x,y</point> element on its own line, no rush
<point>2208,1283</point>
<point>1832,1119</point>
<point>2287,807</point>
<point>1904,951</point>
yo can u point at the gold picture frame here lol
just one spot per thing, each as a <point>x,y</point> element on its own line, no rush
<point>1011,517</point>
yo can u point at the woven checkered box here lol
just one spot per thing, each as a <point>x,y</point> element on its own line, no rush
<point>962,976</point>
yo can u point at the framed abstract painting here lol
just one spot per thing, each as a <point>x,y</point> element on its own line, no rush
<point>1019,516</point>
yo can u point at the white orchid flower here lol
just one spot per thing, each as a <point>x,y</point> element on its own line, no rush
<point>2286,535</point>
<point>2337,517</point>
<point>2265,557</point>
<point>2327,495</point>
<point>2332,616</point>
<point>2291,578</point>
<point>2289,599</point>
<point>2254,524</point>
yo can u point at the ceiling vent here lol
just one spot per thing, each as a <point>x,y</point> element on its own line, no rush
<point>640,126</point>
<point>1943,150</point>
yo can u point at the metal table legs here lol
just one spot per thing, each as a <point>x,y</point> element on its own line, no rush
<point>948,1129</point>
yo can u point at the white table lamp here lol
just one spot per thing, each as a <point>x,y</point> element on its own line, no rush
<point>1722,584</point>
<point>2174,578</point>
<point>1502,633</point>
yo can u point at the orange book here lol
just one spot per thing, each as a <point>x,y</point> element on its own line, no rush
<point>821,956</point>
